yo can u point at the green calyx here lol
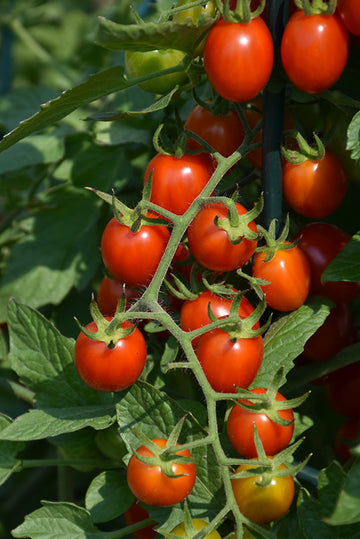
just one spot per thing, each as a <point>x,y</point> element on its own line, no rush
<point>237,226</point>
<point>274,244</point>
<point>316,7</point>
<point>305,151</point>
<point>241,13</point>
<point>108,331</point>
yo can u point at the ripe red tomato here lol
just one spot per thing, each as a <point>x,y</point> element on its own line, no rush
<point>132,258</point>
<point>136,514</point>
<point>110,369</point>
<point>240,429</point>
<point>315,189</point>
<point>345,437</point>
<point>321,242</point>
<point>211,246</point>
<point>349,12</point>
<point>314,50</point>
<point>109,293</point>
<point>224,132</point>
<point>194,312</point>
<point>177,181</point>
<point>263,504</point>
<point>238,58</point>
<point>152,487</point>
<point>337,332</point>
<point>228,362</point>
<point>289,275</point>
<point>342,390</point>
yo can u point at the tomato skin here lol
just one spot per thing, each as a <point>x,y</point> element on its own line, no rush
<point>314,50</point>
<point>322,242</point>
<point>289,275</point>
<point>211,246</point>
<point>194,313</point>
<point>139,63</point>
<point>177,181</point>
<point>152,487</point>
<point>198,525</point>
<point>342,390</point>
<point>349,12</point>
<point>106,369</point>
<point>132,258</point>
<point>136,514</point>
<point>263,504</point>
<point>315,189</point>
<point>109,293</point>
<point>337,332</point>
<point>240,429</point>
<point>347,433</point>
<point>238,58</point>
<point>224,132</point>
<point>227,363</point>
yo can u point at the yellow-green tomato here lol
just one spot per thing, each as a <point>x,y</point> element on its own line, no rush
<point>198,525</point>
<point>140,63</point>
<point>193,14</point>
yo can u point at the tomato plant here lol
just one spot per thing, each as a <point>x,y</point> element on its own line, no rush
<point>315,188</point>
<point>110,367</point>
<point>136,514</point>
<point>238,58</point>
<point>177,181</point>
<point>196,525</point>
<point>211,245</point>
<point>346,435</point>
<point>152,486</point>
<point>261,503</point>
<point>132,257</point>
<point>274,437</point>
<point>109,293</point>
<point>314,50</point>
<point>321,242</point>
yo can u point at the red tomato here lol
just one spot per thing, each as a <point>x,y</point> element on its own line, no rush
<point>110,369</point>
<point>211,246</point>
<point>229,362</point>
<point>349,12</point>
<point>337,332</point>
<point>136,514</point>
<point>152,487</point>
<point>274,437</point>
<point>289,275</point>
<point>315,188</point>
<point>263,504</point>
<point>194,312</point>
<point>238,58</point>
<point>321,242</point>
<point>132,258</point>
<point>314,50</point>
<point>109,294</point>
<point>342,390</point>
<point>224,132</point>
<point>177,181</point>
<point>345,437</point>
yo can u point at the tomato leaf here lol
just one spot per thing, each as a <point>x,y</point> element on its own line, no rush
<point>347,508</point>
<point>35,150</point>
<point>108,496</point>
<point>346,265</point>
<point>286,337</point>
<point>353,137</point>
<point>8,452</point>
<point>150,36</point>
<point>59,519</point>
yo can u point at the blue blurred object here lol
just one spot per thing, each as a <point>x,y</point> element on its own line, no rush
<point>145,7</point>
<point>6,41</point>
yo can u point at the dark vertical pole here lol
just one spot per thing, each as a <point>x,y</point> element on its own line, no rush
<point>6,42</point>
<point>273,119</point>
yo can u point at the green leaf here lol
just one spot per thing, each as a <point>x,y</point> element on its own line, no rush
<point>43,360</point>
<point>35,150</point>
<point>353,137</point>
<point>346,265</point>
<point>151,35</point>
<point>8,452</point>
<point>285,339</point>
<point>40,424</point>
<point>21,103</point>
<point>108,496</point>
<point>97,86</point>
<point>57,253</point>
<point>347,508</point>
<point>59,520</point>
<point>115,133</point>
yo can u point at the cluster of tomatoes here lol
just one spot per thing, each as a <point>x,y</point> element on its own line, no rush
<point>222,239</point>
